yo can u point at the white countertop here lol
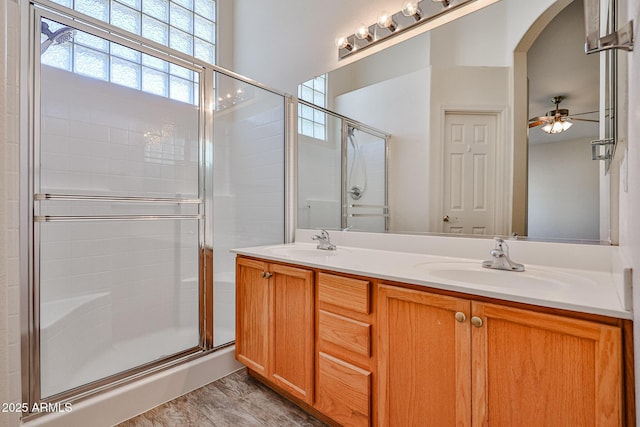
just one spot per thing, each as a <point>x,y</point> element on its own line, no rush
<point>588,291</point>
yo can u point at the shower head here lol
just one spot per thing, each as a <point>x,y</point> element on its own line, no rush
<point>61,35</point>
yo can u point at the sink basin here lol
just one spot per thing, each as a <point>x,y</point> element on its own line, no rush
<point>294,251</point>
<point>474,273</point>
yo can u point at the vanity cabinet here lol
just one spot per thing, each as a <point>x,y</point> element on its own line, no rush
<point>359,352</point>
<point>445,360</point>
<point>275,324</point>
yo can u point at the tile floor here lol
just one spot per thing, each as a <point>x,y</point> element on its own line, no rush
<point>236,400</point>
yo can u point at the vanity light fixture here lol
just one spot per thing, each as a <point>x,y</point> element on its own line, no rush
<point>385,20</point>
<point>390,24</point>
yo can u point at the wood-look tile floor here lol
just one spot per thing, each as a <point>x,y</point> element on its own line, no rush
<point>236,400</point>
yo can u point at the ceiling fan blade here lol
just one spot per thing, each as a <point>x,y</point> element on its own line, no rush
<point>538,123</point>
<point>541,119</point>
<point>586,112</point>
<point>583,120</point>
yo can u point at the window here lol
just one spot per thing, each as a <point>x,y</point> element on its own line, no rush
<point>188,26</point>
<point>311,121</point>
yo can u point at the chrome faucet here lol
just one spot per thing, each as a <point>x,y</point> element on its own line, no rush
<point>500,258</point>
<point>324,241</point>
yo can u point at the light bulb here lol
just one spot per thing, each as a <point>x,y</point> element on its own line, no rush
<point>343,43</point>
<point>363,33</point>
<point>385,20</point>
<point>410,8</point>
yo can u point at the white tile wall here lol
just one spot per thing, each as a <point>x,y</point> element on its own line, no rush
<point>10,377</point>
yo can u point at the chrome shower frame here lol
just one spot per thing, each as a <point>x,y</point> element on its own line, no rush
<point>30,194</point>
<point>346,124</point>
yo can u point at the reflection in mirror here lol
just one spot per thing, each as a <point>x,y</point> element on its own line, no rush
<point>447,97</point>
<point>342,174</point>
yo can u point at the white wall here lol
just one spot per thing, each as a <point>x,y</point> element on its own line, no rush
<point>630,178</point>
<point>563,190</point>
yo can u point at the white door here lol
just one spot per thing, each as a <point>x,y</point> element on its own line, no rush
<point>469,173</point>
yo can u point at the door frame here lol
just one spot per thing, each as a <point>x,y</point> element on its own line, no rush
<point>503,163</point>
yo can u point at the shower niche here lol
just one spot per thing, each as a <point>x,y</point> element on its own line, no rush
<point>344,181</point>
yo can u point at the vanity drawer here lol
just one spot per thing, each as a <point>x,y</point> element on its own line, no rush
<point>344,391</point>
<point>344,292</point>
<point>348,334</point>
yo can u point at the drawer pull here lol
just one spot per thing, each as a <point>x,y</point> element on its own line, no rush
<point>461,317</point>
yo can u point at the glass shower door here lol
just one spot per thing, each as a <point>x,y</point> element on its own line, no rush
<point>364,179</point>
<point>248,185</point>
<point>118,208</point>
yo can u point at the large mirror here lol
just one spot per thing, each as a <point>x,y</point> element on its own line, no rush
<point>457,101</point>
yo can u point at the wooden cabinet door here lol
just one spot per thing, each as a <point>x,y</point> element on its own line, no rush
<point>252,314</point>
<point>424,375</point>
<point>535,369</point>
<point>292,331</point>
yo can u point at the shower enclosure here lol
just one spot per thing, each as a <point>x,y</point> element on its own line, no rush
<point>135,202</point>
<point>343,178</point>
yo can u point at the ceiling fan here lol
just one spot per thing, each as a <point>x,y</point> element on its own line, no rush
<point>556,121</point>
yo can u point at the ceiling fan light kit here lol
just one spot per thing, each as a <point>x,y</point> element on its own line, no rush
<point>556,120</point>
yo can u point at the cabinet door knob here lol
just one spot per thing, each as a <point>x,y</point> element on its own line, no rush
<point>461,317</point>
<point>266,275</point>
<point>476,321</point>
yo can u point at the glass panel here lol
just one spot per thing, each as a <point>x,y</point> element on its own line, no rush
<point>114,295</point>
<point>205,51</point>
<point>125,73</point>
<point>125,18</point>
<point>156,8</point>
<point>58,56</point>
<point>206,8</point>
<point>366,171</point>
<point>88,126</point>
<point>155,30</point>
<point>181,18</point>
<point>153,62</point>
<point>154,82</point>
<point>181,41</point>
<point>66,3</point>
<point>177,70</point>
<point>319,200</point>
<point>185,3</point>
<point>91,63</point>
<point>306,112</point>
<point>91,41</point>
<point>205,29</point>
<point>181,89</point>
<point>125,52</point>
<point>98,9</point>
<point>131,3</point>
<point>248,185</point>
